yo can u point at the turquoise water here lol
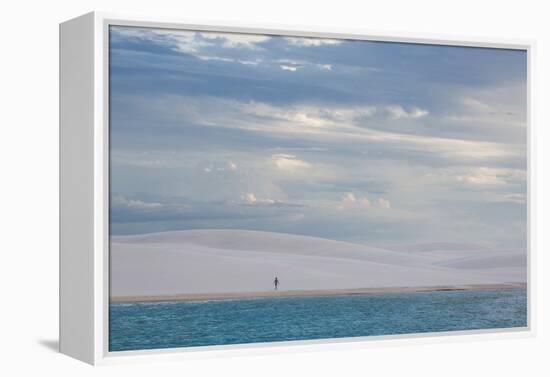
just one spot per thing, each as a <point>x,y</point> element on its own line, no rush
<point>141,326</point>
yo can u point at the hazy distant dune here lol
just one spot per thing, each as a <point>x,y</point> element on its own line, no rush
<point>212,261</point>
<point>488,260</point>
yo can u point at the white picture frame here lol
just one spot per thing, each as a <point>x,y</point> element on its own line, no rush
<point>84,189</point>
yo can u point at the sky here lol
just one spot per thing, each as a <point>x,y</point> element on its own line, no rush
<point>367,142</point>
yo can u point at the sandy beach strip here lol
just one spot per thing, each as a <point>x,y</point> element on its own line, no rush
<point>305,293</point>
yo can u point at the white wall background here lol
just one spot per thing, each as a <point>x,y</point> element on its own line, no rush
<point>29,188</point>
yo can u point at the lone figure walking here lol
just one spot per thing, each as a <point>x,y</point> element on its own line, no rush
<point>276,282</point>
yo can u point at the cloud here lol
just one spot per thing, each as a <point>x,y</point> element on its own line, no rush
<point>121,201</point>
<point>228,60</point>
<point>239,48</point>
<point>349,197</point>
<point>474,178</point>
<point>504,197</point>
<point>175,210</point>
<point>288,162</point>
<point>293,66</point>
<point>416,112</point>
<point>475,105</point>
<point>207,46</point>
<point>481,179</point>
<point>326,125</point>
<point>333,124</point>
<point>221,168</point>
<point>250,62</point>
<point>252,199</point>
<point>365,202</point>
<point>289,67</point>
<point>215,58</point>
<point>249,198</point>
<point>384,203</point>
<point>492,176</point>
<point>309,42</point>
<point>398,112</point>
<point>237,40</point>
<point>184,41</point>
<point>344,124</point>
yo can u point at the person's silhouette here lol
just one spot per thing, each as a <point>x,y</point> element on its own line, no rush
<point>276,282</point>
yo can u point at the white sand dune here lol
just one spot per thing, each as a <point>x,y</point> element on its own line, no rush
<point>213,261</point>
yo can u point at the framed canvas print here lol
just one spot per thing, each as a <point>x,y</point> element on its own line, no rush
<point>227,188</point>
